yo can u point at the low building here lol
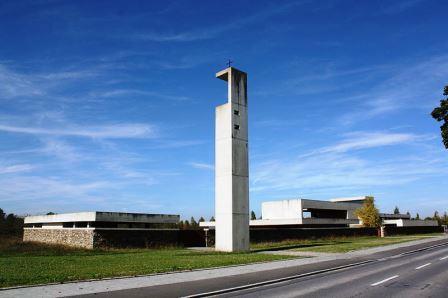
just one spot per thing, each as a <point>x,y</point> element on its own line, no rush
<point>89,229</point>
<point>306,213</point>
<point>309,212</point>
<point>338,212</point>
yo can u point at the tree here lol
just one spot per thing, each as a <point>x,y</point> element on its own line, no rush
<point>417,216</point>
<point>409,214</point>
<point>441,114</point>
<point>369,214</point>
<point>201,219</point>
<point>2,220</point>
<point>445,218</point>
<point>193,223</point>
<point>252,215</point>
<point>396,210</point>
<point>51,213</point>
<point>437,217</point>
<point>10,224</point>
<point>212,218</point>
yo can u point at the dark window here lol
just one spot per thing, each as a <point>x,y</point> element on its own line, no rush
<point>236,126</point>
<point>236,112</point>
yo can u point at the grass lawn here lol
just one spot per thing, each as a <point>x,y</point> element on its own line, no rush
<point>339,244</point>
<point>24,263</point>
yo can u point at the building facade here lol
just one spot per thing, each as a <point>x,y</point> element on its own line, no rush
<point>91,229</point>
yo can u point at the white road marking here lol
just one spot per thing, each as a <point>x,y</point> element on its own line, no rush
<point>441,259</point>
<point>384,280</point>
<point>422,266</point>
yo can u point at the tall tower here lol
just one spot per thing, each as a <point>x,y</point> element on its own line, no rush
<point>232,165</point>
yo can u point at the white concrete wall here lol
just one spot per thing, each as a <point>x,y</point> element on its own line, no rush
<point>289,209</point>
<point>103,216</point>
<point>285,209</point>
<point>52,226</point>
<point>63,217</point>
<point>231,166</point>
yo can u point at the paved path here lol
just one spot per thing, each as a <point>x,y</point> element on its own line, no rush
<point>235,273</point>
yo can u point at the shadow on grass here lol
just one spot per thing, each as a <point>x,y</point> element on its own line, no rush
<point>295,246</point>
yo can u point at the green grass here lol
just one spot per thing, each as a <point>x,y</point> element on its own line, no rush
<point>25,263</point>
<point>338,244</point>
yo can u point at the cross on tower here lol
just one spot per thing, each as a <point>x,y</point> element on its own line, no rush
<point>229,63</point>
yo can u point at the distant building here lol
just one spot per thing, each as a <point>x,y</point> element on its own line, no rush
<point>88,229</point>
<point>338,212</point>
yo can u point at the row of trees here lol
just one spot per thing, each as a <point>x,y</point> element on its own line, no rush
<point>370,215</point>
<point>193,224</point>
<point>10,224</point>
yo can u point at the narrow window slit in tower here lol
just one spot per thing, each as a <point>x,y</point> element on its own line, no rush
<point>236,126</point>
<point>236,112</point>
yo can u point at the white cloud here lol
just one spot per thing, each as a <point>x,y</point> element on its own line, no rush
<point>16,168</point>
<point>16,84</point>
<point>61,150</point>
<point>13,84</point>
<point>337,171</point>
<point>209,32</point>
<point>32,188</point>
<point>202,166</point>
<point>104,131</point>
<point>363,140</point>
<point>332,168</point>
<point>130,92</point>
<point>411,86</point>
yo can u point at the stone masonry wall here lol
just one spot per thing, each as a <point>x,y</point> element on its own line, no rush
<point>82,238</point>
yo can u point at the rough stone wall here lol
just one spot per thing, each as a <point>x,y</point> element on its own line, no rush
<point>82,238</point>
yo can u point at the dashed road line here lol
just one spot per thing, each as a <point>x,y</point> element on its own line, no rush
<point>384,280</point>
<point>441,259</point>
<point>422,266</point>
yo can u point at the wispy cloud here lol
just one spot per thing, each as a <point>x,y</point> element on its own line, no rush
<point>33,187</point>
<point>409,86</point>
<point>116,131</point>
<point>209,32</point>
<point>138,92</point>
<point>202,166</point>
<point>333,168</point>
<point>61,150</point>
<point>364,140</point>
<point>13,84</point>
<point>16,168</point>
<point>16,84</point>
<point>399,6</point>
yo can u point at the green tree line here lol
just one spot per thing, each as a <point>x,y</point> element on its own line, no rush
<point>10,224</point>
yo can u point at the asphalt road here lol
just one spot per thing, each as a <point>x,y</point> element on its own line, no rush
<point>424,274</point>
<point>385,274</point>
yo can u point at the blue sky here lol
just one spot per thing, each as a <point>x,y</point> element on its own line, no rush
<point>109,105</point>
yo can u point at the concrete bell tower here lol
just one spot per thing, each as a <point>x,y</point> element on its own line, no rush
<point>232,166</point>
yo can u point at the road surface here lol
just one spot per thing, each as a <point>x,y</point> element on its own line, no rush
<point>423,274</point>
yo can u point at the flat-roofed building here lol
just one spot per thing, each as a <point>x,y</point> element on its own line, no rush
<point>338,212</point>
<point>87,229</point>
<point>306,213</point>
